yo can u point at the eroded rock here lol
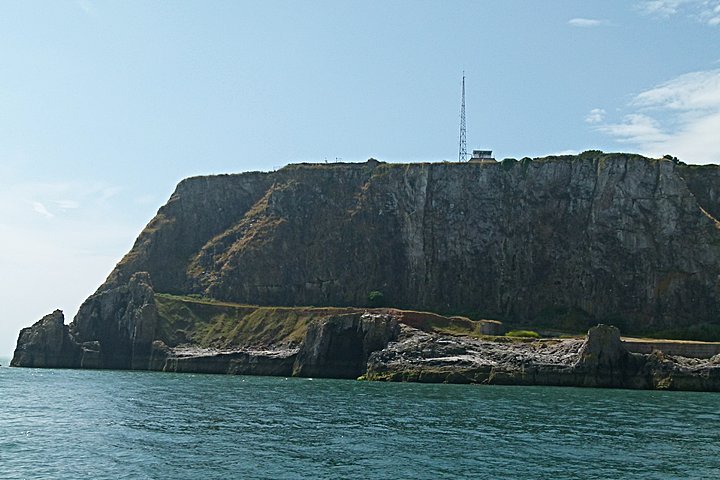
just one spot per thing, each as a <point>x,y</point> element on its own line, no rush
<point>339,347</point>
<point>47,343</point>
<point>600,360</point>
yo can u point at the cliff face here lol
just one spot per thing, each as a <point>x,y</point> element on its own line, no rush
<point>559,241</point>
<point>563,242</point>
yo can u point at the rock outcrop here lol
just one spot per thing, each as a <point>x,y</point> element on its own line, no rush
<point>375,345</point>
<point>334,347</point>
<point>120,322</point>
<point>47,344</point>
<point>600,360</point>
<point>339,347</point>
<point>272,363</point>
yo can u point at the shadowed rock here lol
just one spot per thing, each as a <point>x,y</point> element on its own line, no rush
<point>47,344</point>
<point>340,346</point>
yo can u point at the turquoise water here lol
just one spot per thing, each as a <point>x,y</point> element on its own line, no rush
<point>112,424</point>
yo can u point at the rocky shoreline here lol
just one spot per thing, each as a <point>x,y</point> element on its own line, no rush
<point>599,360</point>
<point>384,347</point>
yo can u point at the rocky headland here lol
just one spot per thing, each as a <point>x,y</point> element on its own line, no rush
<point>219,280</point>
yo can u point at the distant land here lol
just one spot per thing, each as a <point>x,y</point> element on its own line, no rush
<point>414,272</point>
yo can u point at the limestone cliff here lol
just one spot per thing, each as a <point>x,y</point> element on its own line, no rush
<point>559,241</point>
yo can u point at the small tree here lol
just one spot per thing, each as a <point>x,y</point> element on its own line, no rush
<point>376,298</point>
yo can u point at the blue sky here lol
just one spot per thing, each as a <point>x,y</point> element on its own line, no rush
<point>105,106</point>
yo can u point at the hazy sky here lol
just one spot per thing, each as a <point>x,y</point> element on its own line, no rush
<point>105,106</point>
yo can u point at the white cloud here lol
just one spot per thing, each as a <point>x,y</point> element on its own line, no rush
<point>705,11</point>
<point>67,204</point>
<point>692,91</point>
<point>38,207</point>
<point>585,22</point>
<point>54,200</point>
<point>596,115</point>
<point>664,8</point>
<point>680,117</point>
<point>636,128</point>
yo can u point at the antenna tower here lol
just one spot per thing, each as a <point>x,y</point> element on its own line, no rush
<point>462,154</point>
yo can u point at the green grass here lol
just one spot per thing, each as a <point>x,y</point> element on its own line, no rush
<point>208,323</point>
<point>522,334</point>
<point>703,333</point>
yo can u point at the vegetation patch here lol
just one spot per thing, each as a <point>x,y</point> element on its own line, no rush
<point>704,333</point>
<point>508,163</point>
<point>376,298</point>
<point>522,334</point>
<point>209,323</point>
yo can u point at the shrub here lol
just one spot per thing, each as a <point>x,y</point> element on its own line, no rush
<point>591,154</point>
<point>523,334</point>
<point>508,163</point>
<point>376,298</point>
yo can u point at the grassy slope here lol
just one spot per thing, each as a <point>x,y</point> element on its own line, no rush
<point>208,323</point>
<point>213,324</point>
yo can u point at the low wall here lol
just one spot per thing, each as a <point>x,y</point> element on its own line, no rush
<point>669,347</point>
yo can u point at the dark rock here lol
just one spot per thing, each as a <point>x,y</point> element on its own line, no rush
<point>47,343</point>
<point>339,347</point>
<point>113,329</point>
<point>120,325</point>
<point>491,327</point>
<point>564,241</point>
<point>603,360</point>
<point>159,353</point>
<point>91,356</point>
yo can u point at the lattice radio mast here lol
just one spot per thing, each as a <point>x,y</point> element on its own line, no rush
<point>462,154</point>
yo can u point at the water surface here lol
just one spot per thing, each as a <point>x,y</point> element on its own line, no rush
<point>117,424</point>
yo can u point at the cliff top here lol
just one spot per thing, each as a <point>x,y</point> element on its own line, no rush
<point>588,155</point>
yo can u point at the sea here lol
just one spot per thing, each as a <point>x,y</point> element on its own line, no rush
<point>84,424</point>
